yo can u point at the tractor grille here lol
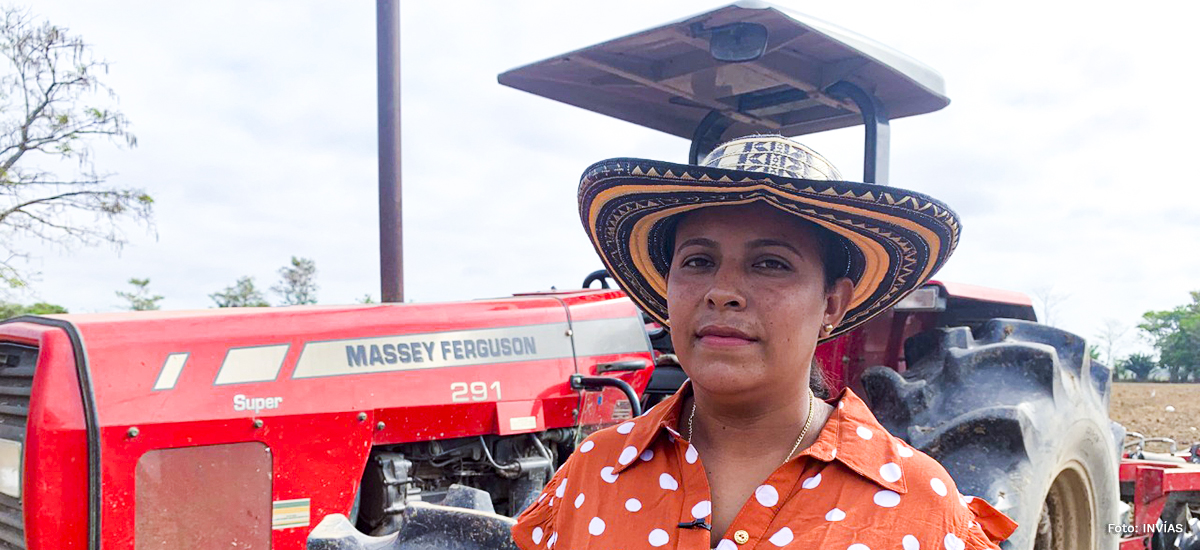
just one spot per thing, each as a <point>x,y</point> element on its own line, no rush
<point>16,384</point>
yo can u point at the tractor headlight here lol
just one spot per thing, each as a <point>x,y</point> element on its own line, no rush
<point>10,468</point>
<point>922,299</point>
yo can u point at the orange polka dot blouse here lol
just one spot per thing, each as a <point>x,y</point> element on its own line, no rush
<point>641,485</point>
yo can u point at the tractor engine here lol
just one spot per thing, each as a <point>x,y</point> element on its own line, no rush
<point>513,469</point>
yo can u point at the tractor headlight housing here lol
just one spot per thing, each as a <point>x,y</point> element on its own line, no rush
<point>10,467</point>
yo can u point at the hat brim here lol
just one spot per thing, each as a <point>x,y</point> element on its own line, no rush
<point>898,238</point>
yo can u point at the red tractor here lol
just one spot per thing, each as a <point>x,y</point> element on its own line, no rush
<point>405,426</point>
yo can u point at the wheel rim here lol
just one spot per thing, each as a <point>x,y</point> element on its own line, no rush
<point>1067,521</point>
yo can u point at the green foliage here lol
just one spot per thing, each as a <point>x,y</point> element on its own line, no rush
<point>1140,364</point>
<point>367,299</point>
<point>243,293</point>
<point>140,298</point>
<point>9,310</point>
<point>298,282</point>
<point>1176,335</point>
<point>53,108</point>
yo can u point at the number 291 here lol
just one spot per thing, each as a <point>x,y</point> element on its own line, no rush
<point>461,392</point>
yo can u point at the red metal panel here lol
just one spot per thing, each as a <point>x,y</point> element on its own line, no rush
<point>127,355</point>
<point>209,496</point>
<point>833,357</point>
<point>515,417</point>
<point>54,496</point>
<point>316,457</point>
<point>984,294</point>
<point>1148,498</point>
<point>1182,478</point>
<point>1136,543</point>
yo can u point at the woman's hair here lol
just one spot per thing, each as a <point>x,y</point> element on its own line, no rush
<point>835,262</point>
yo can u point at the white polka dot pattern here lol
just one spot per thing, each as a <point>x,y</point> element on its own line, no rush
<point>782,537</point>
<point>887,499</point>
<point>938,486</point>
<point>766,495</point>
<point>635,511</point>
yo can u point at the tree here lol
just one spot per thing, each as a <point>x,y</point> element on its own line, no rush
<point>140,298</point>
<point>1051,300</point>
<point>53,108</point>
<point>242,294</point>
<point>298,282</point>
<point>1176,335</point>
<point>1140,364</point>
<point>1110,337</point>
<point>10,310</point>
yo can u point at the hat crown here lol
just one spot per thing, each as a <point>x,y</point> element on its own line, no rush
<point>775,155</point>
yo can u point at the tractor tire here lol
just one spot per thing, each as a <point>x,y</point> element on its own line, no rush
<point>1019,417</point>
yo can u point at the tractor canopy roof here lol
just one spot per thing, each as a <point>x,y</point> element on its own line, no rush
<point>766,68</point>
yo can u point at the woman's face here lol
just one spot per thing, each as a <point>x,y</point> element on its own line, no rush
<point>746,297</point>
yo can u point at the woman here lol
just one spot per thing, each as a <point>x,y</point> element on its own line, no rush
<point>751,259</point>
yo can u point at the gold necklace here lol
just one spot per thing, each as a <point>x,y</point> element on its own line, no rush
<point>807,424</point>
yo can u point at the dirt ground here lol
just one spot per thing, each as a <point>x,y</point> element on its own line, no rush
<point>1142,407</point>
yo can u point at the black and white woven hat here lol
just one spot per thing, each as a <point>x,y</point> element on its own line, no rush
<point>896,238</point>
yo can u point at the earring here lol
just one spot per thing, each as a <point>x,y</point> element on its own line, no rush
<point>828,328</point>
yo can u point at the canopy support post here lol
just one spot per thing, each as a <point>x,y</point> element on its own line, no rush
<point>707,135</point>
<point>878,130</point>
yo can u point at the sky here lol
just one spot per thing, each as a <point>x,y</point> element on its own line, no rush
<point>1063,149</point>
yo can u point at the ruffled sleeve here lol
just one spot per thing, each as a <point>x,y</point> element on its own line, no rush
<point>535,526</point>
<point>988,526</point>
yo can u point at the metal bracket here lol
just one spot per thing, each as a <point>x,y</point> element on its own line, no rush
<point>707,135</point>
<point>877,141</point>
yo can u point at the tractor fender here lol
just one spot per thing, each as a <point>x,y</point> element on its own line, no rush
<point>1018,415</point>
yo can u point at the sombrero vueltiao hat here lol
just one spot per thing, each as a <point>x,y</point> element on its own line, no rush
<point>896,239</point>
